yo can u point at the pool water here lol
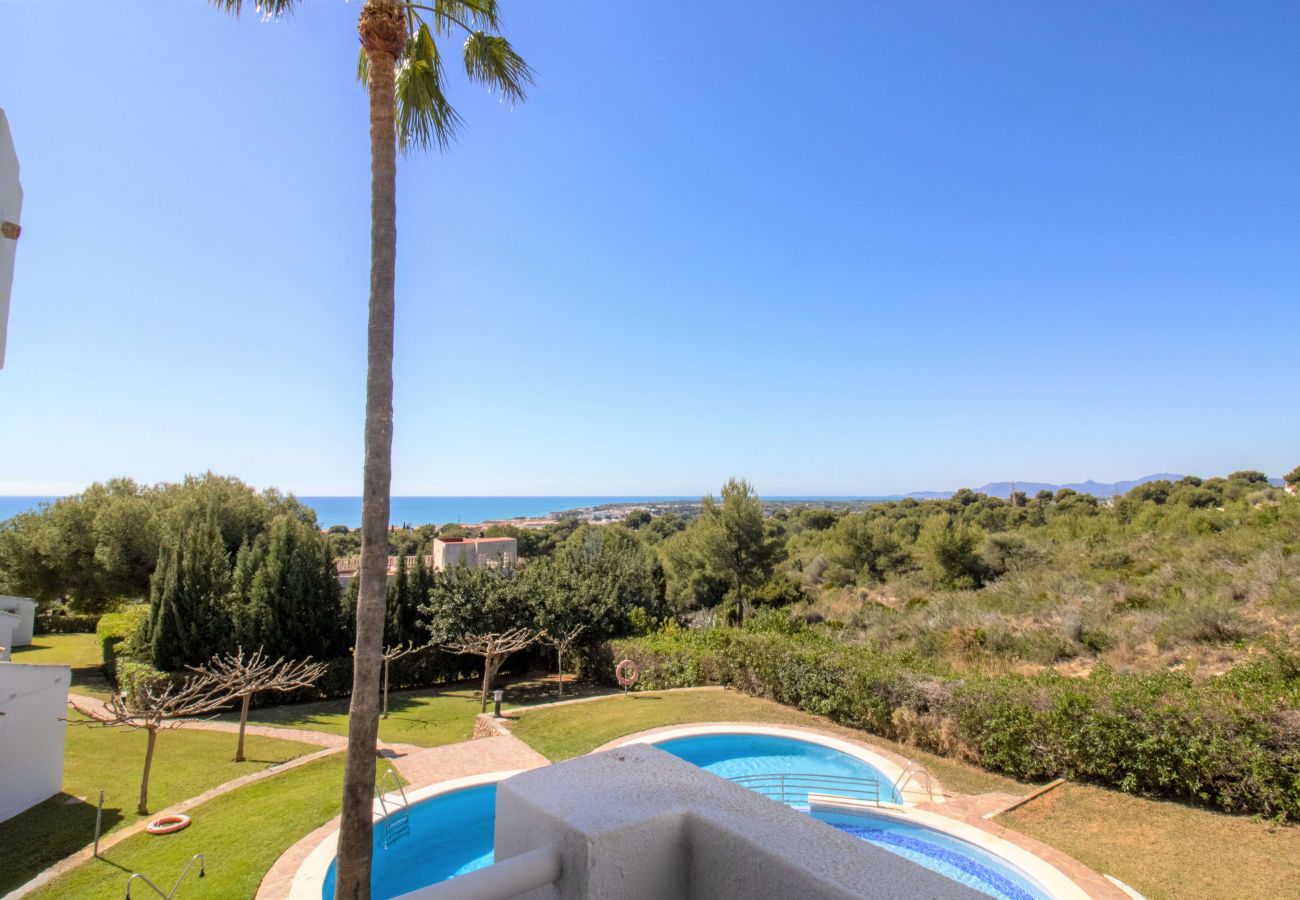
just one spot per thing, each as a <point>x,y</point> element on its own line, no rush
<point>738,755</point>
<point>950,856</point>
<point>450,834</point>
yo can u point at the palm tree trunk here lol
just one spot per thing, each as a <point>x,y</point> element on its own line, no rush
<point>382,32</point>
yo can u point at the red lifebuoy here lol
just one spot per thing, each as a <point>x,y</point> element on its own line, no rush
<point>627,673</point>
<point>167,824</point>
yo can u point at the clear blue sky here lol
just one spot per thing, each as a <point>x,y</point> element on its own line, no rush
<point>845,248</point>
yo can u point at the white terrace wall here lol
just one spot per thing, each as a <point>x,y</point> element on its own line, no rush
<point>25,610</point>
<point>33,707</point>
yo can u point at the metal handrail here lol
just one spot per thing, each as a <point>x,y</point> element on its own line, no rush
<point>794,787</point>
<point>157,890</point>
<point>910,771</point>
<point>390,773</point>
<point>397,820</point>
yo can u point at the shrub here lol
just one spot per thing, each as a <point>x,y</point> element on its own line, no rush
<point>60,621</point>
<point>1230,743</point>
<point>116,629</point>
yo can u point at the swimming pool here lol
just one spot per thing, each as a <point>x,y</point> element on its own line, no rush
<point>950,856</point>
<point>764,761</point>
<point>446,835</point>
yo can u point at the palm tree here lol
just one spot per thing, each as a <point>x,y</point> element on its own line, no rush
<point>402,69</point>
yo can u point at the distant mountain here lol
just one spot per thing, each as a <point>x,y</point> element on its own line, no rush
<point>1096,488</point>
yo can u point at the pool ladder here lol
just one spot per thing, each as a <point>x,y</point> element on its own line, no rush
<point>909,774</point>
<point>397,820</point>
<point>175,887</point>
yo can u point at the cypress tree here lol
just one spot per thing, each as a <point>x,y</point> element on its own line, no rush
<point>187,597</point>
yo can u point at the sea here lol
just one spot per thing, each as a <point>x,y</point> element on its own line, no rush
<point>436,510</point>
<point>412,510</point>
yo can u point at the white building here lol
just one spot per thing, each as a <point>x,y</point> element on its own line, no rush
<point>33,707</point>
<point>11,205</point>
<point>483,553</point>
<point>23,610</point>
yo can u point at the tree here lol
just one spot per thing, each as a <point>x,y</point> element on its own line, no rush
<point>242,677</point>
<point>732,540</point>
<point>494,647</point>
<point>153,703</point>
<point>391,655</point>
<point>286,596</point>
<point>402,68</point>
<point>950,552</point>
<point>1293,477</point>
<point>561,641</point>
<point>190,583</point>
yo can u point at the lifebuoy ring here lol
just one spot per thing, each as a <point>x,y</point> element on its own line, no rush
<point>167,824</point>
<point>627,673</point>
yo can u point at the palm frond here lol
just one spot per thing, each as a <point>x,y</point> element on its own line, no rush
<point>267,9</point>
<point>466,14</point>
<point>425,116</point>
<point>491,61</point>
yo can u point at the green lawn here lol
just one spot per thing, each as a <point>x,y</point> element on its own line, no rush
<point>80,651</point>
<point>186,763</point>
<point>429,717</point>
<point>240,835</point>
<point>1162,849</point>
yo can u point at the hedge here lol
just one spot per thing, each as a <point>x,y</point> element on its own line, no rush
<point>113,630</point>
<point>59,622</point>
<point>1232,743</point>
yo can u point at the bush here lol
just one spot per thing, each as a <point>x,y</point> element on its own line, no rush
<point>1232,743</point>
<point>59,621</point>
<point>117,633</point>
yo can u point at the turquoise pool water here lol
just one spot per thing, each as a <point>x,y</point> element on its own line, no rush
<point>449,835</point>
<point>950,856</point>
<point>748,756</point>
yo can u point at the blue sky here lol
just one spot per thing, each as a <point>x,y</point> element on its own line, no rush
<point>845,248</point>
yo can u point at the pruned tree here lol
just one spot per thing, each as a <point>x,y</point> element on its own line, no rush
<point>390,655</point>
<point>154,703</point>
<point>561,641</point>
<point>245,676</point>
<point>494,647</point>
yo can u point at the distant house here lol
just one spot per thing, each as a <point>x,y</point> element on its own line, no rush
<point>33,707</point>
<point>20,613</point>
<point>483,552</point>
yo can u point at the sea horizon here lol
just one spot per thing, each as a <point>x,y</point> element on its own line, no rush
<point>439,510</point>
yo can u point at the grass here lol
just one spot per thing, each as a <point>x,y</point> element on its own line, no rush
<point>80,651</point>
<point>186,762</point>
<point>1162,849</point>
<point>429,717</point>
<point>284,809</point>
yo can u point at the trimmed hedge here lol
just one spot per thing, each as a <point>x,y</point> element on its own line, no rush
<point>65,623</point>
<point>1232,743</point>
<point>115,632</point>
